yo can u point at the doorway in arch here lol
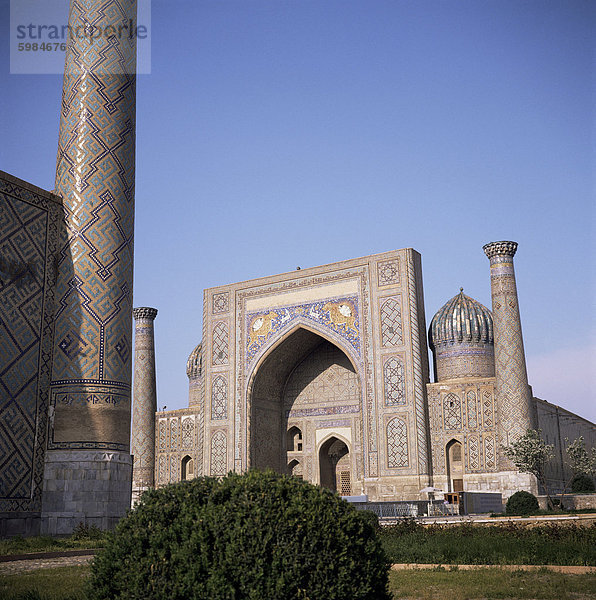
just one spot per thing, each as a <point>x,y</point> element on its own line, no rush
<point>334,465</point>
<point>455,466</point>
<point>304,384</point>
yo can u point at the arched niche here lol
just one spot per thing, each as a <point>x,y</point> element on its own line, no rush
<point>292,369</point>
<point>334,466</point>
<point>294,439</point>
<point>187,470</point>
<point>455,465</point>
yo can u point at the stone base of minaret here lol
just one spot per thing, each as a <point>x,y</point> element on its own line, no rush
<point>91,487</point>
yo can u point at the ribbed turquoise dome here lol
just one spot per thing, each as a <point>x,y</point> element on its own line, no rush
<point>194,364</point>
<point>462,320</point>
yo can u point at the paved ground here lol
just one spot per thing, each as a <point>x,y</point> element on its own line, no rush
<point>50,560</point>
<point>21,566</point>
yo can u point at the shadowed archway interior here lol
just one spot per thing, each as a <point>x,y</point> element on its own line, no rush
<point>300,379</point>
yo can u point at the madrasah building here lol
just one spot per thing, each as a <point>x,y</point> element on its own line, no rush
<point>322,373</point>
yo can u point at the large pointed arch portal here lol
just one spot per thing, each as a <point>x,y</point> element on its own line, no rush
<point>302,384</point>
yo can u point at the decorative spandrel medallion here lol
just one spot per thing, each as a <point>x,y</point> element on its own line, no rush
<point>340,315</point>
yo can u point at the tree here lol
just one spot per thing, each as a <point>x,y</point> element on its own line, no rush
<point>580,461</point>
<point>530,454</point>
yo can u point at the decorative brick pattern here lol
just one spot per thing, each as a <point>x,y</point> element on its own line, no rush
<point>219,398</point>
<point>95,176</point>
<point>490,460</point>
<point>472,410</point>
<point>163,435</point>
<point>145,400</point>
<point>162,470</point>
<point>323,378</point>
<point>473,453</point>
<point>28,240</point>
<point>221,303</point>
<point>391,326</point>
<point>174,432</point>
<point>452,412</point>
<point>419,360</point>
<point>397,444</point>
<point>487,410</point>
<point>394,381</point>
<point>388,272</point>
<point>174,468</point>
<point>218,453</point>
<point>511,387</point>
<point>220,344</point>
<point>188,433</point>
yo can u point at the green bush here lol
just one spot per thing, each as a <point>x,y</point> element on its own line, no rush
<point>255,536</point>
<point>582,484</point>
<point>370,517</point>
<point>521,503</point>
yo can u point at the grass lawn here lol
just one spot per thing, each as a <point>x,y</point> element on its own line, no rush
<point>549,544</point>
<point>90,538</point>
<point>62,583</point>
<point>66,583</point>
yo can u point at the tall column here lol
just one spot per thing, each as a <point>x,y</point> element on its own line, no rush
<point>513,394</point>
<point>88,465</point>
<point>144,403</point>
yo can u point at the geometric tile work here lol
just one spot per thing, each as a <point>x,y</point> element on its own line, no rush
<point>339,315</point>
<point>388,272</point>
<point>218,453</point>
<point>162,470</point>
<point>473,453</point>
<point>487,410</point>
<point>472,410</point>
<point>397,443</point>
<point>95,175</point>
<point>220,344</point>
<point>28,238</point>
<point>511,387</point>
<point>419,359</point>
<point>162,434</point>
<point>174,470</point>
<point>144,399</point>
<point>174,432</point>
<point>452,412</point>
<point>391,330</point>
<point>188,430</point>
<point>394,378</point>
<point>490,461</point>
<point>219,398</point>
<point>324,378</point>
<point>221,302</point>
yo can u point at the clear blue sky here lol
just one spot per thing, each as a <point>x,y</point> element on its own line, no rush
<point>272,134</point>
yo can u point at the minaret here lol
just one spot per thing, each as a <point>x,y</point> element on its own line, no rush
<point>144,403</point>
<point>513,394</point>
<point>88,464</point>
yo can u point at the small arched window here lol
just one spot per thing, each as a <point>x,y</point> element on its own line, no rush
<point>294,440</point>
<point>187,468</point>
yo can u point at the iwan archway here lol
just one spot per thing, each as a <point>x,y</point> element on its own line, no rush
<point>304,389</point>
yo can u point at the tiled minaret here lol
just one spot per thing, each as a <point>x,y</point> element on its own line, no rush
<point>89,438</point>
<point>513,394</point>
<point>144,403</point>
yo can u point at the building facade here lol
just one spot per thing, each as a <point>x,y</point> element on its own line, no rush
<point>323,373</point>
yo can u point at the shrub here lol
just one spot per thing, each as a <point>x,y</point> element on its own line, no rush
<point>87,532</point>
<point>582,484</point>
<point>521,503</point>
<point>370,517</point>
<point>254,536</point>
